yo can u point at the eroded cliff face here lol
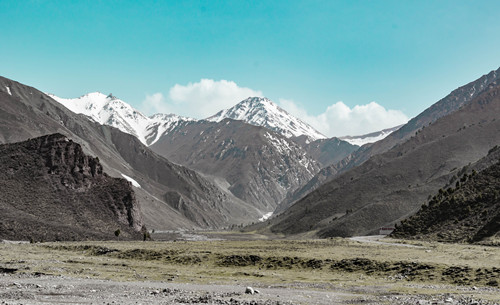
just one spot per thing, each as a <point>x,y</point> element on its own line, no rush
<point>65,158</point>
<point>53,191</point>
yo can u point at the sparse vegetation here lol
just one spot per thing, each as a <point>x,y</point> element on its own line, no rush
<point>467,213</point>
<point>337,262</point>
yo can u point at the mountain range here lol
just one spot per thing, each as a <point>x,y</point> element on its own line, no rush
<point>247,162</point>
<point>255,164</point>
<point>170,196</point>
<point>255,150</point>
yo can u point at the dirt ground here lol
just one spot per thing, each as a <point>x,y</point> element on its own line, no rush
<point>42,289</point>
<point>218,272</point>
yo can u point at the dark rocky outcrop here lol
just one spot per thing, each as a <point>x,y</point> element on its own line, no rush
<point>51,190</point>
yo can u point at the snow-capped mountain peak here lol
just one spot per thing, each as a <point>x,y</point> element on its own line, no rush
<point>261,111</point>
<point>110,110</point>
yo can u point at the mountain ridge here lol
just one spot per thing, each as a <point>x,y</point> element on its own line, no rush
<point>371,137</point>
<point>111,111</point>
<point>394,184</point>
<point>445,106</point>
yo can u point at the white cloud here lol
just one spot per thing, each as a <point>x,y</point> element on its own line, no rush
<point>341,120</point>
<point>206,97</point>
<point>155,104</point>
<point>198,100</point>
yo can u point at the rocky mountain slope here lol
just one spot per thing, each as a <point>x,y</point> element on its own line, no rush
<point>111,111</point>
<point>52,191</point>
<point>170,196</point>
<point>255,164</point>
<point>260,111</point>
<point>393,185</point>
<point>466,211</point>
<point>449,104</point>
<point>326,151</point>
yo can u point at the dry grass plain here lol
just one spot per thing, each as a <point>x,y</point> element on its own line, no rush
<point>393,267</point>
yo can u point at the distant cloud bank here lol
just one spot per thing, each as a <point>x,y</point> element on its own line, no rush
<point>340,120</point>
<point>206,97</point>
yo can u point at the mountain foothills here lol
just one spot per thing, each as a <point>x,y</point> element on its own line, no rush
<point>393,185</point>
<point>468,211</point>
<point>52,191</point>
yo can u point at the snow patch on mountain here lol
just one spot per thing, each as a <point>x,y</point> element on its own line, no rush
<point>8,90</point>
<point>371,137</point>
<point>109,110</point>
<point>260,111</point>
<point>281,145</point>
<point>134,183</point>
<point>266,216</point>
<point>161,124</point>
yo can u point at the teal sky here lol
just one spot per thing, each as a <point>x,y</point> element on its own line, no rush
<point>403,55</point>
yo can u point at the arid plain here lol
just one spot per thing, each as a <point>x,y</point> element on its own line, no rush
<point>215,271</point>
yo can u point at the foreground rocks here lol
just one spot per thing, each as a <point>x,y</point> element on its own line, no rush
<point>16,289</point>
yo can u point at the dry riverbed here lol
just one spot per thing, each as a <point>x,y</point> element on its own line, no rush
<point>333,271</point>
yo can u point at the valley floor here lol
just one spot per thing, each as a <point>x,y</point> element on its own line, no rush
<point>333,271</point>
